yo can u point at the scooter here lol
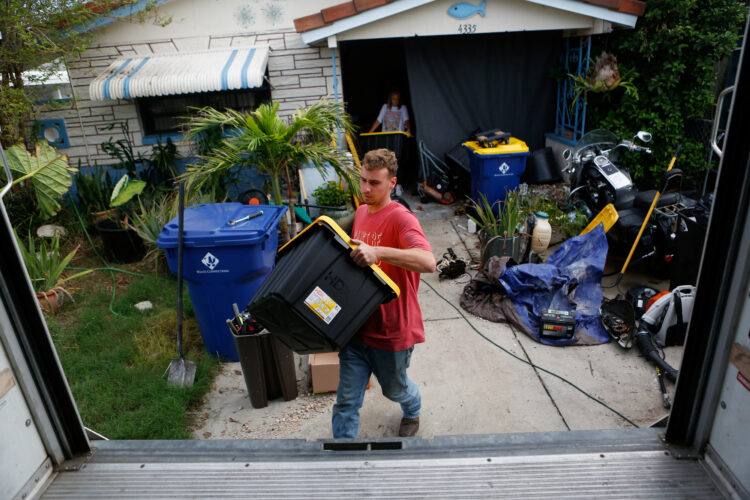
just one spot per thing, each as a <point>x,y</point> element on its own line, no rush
<point>596,181</point>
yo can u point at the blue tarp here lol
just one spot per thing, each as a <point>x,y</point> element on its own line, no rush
<point>570,280</point>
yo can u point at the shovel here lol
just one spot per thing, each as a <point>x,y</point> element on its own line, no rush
<point>181,371</point>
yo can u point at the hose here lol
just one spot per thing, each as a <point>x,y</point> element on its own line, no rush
<point>529,362</point>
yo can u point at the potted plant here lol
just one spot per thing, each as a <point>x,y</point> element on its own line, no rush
<point>335,200</point>
<point>499,229</point>
<point>94,190</point>
<point>276,146</point>
<point>121,242</point>
<point>45,265</point>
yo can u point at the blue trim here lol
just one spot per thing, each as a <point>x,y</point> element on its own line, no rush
<point>575,60</point>
<point>335,76</point>
<point>126,83</point>
<point>248,60</point>
<point>225,71</point>
<point>58,124</point>
<point>50,101</point>
<point>117,14</point>
<point>149,140</point>
<point>108,80</point>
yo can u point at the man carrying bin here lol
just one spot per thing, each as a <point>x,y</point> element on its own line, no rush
<point>389,235</point>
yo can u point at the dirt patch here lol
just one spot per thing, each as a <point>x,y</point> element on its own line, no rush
<point>226,412</point>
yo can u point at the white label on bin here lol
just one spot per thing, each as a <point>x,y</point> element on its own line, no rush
<point>504,167</point>
<point>322,305</point>
<point>210,261</point>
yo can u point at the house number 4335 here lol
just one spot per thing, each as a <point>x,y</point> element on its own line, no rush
<point>465,29</point>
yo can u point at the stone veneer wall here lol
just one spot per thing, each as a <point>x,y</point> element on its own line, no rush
<point>300,75</point>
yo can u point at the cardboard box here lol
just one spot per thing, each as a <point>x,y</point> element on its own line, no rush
<point>324,371</point>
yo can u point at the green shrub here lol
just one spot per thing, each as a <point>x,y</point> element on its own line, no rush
<point>330,194</point>
<point>675,49</point>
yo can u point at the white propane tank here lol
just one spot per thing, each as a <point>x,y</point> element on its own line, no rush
<point>542,233</point>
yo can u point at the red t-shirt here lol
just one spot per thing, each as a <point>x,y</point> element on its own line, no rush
<point>396,325</point>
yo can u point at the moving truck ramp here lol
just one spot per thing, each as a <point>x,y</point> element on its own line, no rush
<point>578,464</point>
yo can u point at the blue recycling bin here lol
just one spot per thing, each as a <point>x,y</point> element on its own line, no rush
<point>223,263</point>
<point>496,170</point>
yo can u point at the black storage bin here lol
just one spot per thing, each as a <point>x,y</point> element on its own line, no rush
<point>267,366</point>
<point>398,142</point>
<point>688,245</point>
<point>541,168</point>
<point>316,297</point>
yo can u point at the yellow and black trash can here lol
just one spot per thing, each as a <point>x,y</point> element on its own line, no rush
<point>317,297</point>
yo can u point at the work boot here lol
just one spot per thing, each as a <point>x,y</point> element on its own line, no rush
<point>408,427</point>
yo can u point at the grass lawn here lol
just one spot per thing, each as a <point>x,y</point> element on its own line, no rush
<point>116,363</point>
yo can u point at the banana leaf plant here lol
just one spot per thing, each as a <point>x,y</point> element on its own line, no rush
<point>49,173</point>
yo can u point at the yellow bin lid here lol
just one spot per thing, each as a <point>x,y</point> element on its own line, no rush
<point>514,146</point>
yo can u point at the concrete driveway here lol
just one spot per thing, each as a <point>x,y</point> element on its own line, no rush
<point>468,385</point>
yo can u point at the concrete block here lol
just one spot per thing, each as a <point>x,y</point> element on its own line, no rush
<point>303,92</point>
<point>243,41</point>
<point>312,54</point>
<point>294,41</point>
<point>95,53</point>
<point>280,62</point>
<point>313,63</point>
<point>276,44</point>
<point>219,43</point>
<point>308,71</point>
<point>279,81</point>
<point>103,63</point>
<point>125,112</point>
<point>100,110</point>
<point>312,82</point>
<point>163,47</point>
<point>191,44</point>
<point>270,36</point>
<point>142,49</point>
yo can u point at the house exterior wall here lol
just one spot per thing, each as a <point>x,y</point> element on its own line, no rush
<point>299,75</point>
<point>500,16</point>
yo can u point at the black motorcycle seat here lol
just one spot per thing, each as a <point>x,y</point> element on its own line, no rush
<point>644,199</point>
<point>624,199</point>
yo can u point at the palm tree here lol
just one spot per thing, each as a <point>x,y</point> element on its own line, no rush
<point>273,145</point>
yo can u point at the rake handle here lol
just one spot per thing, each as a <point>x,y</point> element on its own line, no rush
<point>648,217</point>
<point>180,236</point>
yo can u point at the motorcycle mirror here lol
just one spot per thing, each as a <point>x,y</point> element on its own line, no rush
<point>566,154</point>
<point>644,136</point>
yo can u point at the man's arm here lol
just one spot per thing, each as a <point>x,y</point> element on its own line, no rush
<point>413,259</point>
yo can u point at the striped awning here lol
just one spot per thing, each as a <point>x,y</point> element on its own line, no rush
<point>216,70</point>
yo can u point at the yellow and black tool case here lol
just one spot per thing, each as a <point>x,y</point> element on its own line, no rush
<point>316,297</point>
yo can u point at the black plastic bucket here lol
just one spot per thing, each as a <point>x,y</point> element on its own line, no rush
<point>120,245</point>
<point>541,168</point>
<point>267,366</point>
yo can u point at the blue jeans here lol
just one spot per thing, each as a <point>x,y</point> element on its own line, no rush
<point>357,362</point>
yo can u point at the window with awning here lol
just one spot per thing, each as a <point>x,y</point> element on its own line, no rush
<point>218,70</point>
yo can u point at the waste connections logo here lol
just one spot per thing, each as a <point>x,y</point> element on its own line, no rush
<point>504,168</point>
<point>210,261</point>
